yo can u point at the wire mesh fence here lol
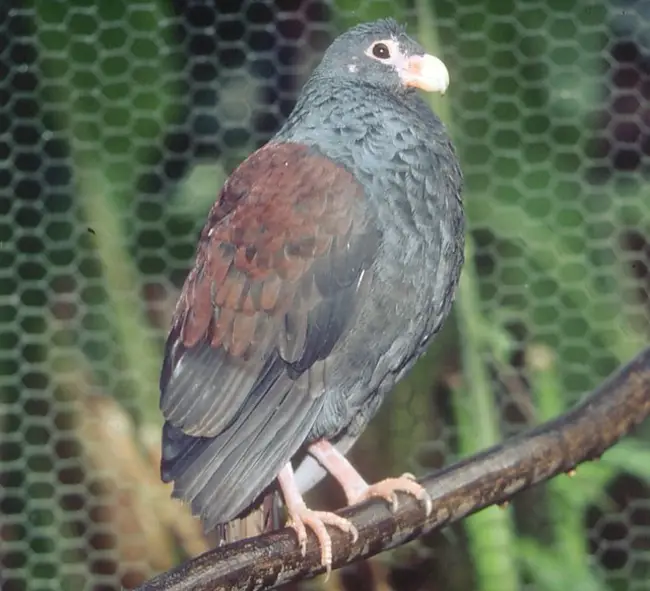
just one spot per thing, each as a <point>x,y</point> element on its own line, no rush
<point>118,123</point>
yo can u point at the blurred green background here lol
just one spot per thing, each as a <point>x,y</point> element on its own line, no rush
<point>119,121</point>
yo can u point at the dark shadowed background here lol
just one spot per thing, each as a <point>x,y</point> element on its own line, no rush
<point>119,120</point>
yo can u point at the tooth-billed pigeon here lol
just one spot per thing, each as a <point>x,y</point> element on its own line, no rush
<point>328,262</point>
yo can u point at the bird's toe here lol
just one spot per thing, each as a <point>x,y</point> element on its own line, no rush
<point>387,489</point>
<point>318,521</point>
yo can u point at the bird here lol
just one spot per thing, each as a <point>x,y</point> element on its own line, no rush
<point>327,264</point>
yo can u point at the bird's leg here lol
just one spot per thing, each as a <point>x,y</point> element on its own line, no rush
<point>300,516</point>
<point>356,488</point>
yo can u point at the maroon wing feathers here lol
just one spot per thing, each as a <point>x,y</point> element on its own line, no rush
<point>278,212</point>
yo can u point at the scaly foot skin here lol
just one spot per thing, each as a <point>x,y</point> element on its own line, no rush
<point>302,517</point>
<point>386,489</point>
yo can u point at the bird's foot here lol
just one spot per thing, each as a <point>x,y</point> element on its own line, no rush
<point>357,489</point>
<point>302,517</point>
<point>387,489</point>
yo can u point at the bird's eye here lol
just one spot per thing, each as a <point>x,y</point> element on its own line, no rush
<point>381,51</point>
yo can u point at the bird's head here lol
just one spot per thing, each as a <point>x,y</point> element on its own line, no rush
<point>381,54</point>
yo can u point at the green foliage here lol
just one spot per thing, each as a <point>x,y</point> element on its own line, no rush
<point>104,77</point>
<point>92,64</point>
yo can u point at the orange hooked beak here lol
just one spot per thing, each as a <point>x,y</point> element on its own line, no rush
<point>425,72</point>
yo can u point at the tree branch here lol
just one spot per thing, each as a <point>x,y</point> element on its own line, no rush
<point>491,477</point>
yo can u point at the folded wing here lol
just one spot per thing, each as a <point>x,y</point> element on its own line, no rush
<point>280,268</point>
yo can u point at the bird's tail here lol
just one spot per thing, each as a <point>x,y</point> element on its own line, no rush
<point>265,518</point>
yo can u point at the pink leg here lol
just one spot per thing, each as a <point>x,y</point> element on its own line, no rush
<point>356,488</point>
<point>300,516</point>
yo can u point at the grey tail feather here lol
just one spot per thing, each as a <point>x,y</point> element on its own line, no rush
<point>182,452</point>
<point>267,517</point>
<point>222,477</point>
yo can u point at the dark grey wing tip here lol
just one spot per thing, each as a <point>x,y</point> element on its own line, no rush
<point>176,452</point>
<point>181,455</point>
